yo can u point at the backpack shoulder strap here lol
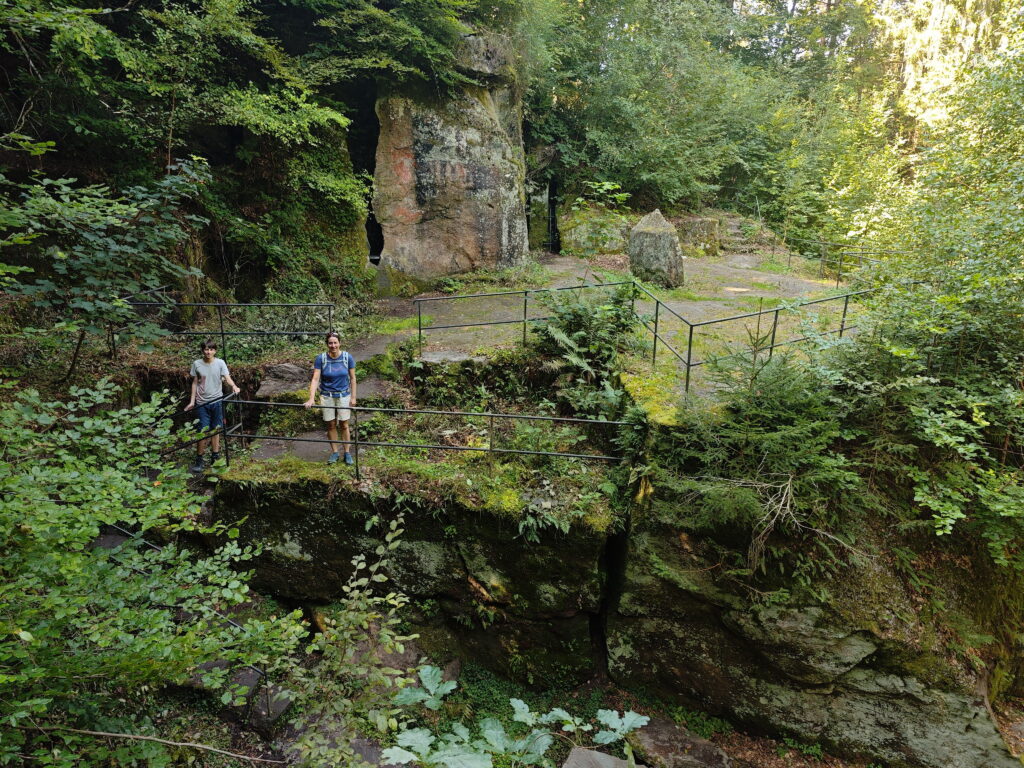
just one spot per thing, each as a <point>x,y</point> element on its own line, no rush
<point>345,359</point>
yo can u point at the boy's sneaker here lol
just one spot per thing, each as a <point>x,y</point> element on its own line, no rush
<point>214,458</point>
<point>333,458</point>
<point>348,458</point>
<point>198,465</point>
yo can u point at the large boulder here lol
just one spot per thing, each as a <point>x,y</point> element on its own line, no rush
<point>654,252</point>
<point>449,186</point>
<point>282,379</point>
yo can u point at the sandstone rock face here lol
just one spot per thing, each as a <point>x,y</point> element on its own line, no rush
<point>654,252</point>
<point>520,607</point>
<point>793,669</point>
<point>801,642</point>
<point>449,187</point>
<point>283,378</point>
<point>703,233</point>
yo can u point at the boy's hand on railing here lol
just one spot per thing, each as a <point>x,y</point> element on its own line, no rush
<point>352,403</point>
<point>237,390</point>
<point>309,403</point>
<point>191,405</point>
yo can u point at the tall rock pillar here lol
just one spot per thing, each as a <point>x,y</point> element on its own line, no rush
<point>449,186</point>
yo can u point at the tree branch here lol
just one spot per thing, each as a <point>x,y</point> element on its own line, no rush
<point>152,738</point>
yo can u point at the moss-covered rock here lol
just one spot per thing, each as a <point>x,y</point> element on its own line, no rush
<point>702,233</point>
<point>590,229</point>
<point>807,669</point>
<point>517,605</point>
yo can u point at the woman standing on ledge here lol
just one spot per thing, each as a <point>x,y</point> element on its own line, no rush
<point>334,372</point>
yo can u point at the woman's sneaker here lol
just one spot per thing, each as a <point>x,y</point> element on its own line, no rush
<point>198,465</point>
<point>333,458</point>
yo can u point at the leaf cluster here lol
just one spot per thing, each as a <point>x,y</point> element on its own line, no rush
<point>85,623</point>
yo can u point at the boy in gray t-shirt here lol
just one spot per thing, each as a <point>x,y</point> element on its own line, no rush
<point>208,375</point>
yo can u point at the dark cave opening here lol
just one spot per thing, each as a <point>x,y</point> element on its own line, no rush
<point>363,135</point>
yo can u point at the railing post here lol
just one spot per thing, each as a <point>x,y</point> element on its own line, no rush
<point>223,336</point>
<point>490,439</point>
<point>419,328</point>
<point>689,359</point>
<point>842,322</point>
<point>224,432</point>
<point>526,299</point>
<point>823,251</point>
<point>775,327</point>
<point>330,318</point>
<point>657,311</point>
<point>839,269</point>
<point>355,441</point>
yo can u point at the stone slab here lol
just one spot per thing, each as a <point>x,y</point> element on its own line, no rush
<point>663,744</point>
<point>588,758</point>
<point>282,379</point>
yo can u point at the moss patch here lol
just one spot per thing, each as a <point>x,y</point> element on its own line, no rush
<point>657,392</point>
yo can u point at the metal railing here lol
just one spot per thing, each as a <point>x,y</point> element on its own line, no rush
<point>692,328</point>
<point>524,320</point>
<point>227,431</point>
<point>221,330</point>
<point>661,311</point>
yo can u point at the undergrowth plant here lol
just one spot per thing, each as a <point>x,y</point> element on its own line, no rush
<point>763,475</point>
<point>92,628</point>
<point>350,683</point>
<point>581,341</point>
<point>478,745</point>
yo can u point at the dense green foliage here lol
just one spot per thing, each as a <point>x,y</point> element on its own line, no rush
<point>107,100</point>
<point>521,747</point>
<point>581,341</point>
<point>86,629</point>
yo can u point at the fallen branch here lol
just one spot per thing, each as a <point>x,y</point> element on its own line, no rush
<point>777,505</point>
<point>137,737</point>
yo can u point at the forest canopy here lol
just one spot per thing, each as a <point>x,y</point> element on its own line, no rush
<point>828,117</point>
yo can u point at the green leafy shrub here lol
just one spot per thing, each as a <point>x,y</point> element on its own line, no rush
<point>458,747</point>
<point>581,341</point>
<point>90,627</point>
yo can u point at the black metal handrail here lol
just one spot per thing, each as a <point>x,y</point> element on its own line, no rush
<point>525,320</point>
<point>237,431</point>
<point>654,328</point>
<point>221,307</point>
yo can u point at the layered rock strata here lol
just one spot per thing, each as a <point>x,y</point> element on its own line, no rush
<point>449,186</point>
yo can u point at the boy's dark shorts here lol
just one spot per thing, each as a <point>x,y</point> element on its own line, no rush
<point>211,415</point>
